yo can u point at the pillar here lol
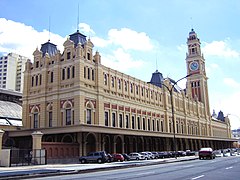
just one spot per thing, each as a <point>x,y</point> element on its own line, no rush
<point>1,136</point>
<point>36,148</point>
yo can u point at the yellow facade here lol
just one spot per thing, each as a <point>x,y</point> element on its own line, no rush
<point>73,92</point>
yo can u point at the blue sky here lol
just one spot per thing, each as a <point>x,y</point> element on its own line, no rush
<point>132,35</point>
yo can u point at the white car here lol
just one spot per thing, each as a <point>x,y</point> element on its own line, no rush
<point>136,156</point>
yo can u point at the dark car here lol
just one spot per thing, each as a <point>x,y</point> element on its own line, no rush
<point>118,157</point>
<point>99,157</point>
<point>126,157</point>
<point>164,155</point>
<point>205,153</point>
<point>190,153</point>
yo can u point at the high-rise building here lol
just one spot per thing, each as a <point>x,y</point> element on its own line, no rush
<point>12,67</point>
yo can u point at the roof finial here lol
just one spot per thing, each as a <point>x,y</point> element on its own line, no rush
<point>49,26</point>
<point>78,19</point>
<point>156,64</point>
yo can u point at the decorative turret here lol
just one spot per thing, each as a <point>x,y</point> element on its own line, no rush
<point>49,48</point>
<point>157,79</point>
<point>77,38</point>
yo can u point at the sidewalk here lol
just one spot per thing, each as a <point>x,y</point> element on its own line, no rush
<point>61,169</point>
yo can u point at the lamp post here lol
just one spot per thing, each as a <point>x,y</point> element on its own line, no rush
<point>171,97</point>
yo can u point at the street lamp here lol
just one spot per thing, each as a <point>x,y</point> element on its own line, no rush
<point>171,96</point>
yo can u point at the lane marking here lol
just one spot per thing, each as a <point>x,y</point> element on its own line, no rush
<point>229,167</point>
<point>198,177</point>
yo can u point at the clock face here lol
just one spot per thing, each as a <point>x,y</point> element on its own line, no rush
<point>194,65</point>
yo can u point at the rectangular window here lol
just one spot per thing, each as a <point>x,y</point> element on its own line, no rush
<point>89,116</point>
<point>68,116</point>
<point>68,55</point>
<point>138,119</point>
<point>133,122</point>
<point>68,73</point>
<point>106,118</point>
<point>50,119</point>
<point>51,79</point>
<point>144,125</point>
<point>35,120</point>
<point>73,72</point>
<point>120,120</point>
<point>113,119</point>
<point>153,125</point>
<point>127,125</point>
<point>149,124</point>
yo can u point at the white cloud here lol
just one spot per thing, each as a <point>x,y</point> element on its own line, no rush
<point>86,29</point>
<point>99,42</point>
<point>219,48</point>
<point>121,61</point>
<point>22,39</point>
<point>129,39</point>
<point>231,82</point>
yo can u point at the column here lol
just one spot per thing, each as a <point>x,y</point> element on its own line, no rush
<point>1,136</point>
<point>36,148</point>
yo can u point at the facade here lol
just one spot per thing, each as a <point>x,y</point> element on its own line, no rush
<point>81,105</point>
<point>12,67</point>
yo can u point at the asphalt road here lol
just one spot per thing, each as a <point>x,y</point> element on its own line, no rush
<point>222,168</point>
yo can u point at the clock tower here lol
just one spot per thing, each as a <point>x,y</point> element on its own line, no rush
<point>197,87</point>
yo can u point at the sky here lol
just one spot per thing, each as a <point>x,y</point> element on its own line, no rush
<point>137,37</point>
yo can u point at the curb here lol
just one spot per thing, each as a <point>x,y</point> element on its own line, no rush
<point>70,172</point>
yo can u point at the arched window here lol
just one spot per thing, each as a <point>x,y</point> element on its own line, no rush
<point>161,122</point>
<point>84,72</point>
<point>51,76</point>
<point>144,124</point>
<point>137,89</point>
<point>106,118</point>
<point>127,121</point>
<point>112,81</point>
<point>131,87</point>
<point>35,114</point>
<point>105,79</point>
<point>32,81</point>
<point>73,72</point>
<point>133,122</point>
<point>68,73</point>
<point>40,79</point>
<point>139,123</point>
<point>89,112</point>
<point>125,85</point>
<point>120,120</point>
<point>36,80</point>
<point>68,114</point>
<point>153,125</point>
<point>142,91</point>
<point>119,83</point>
<point>49,111</point>
<point>89,116</point>
<point>63,74</point>
<point>93,75</point>
<point>113,119</point>
<point>89,73</point>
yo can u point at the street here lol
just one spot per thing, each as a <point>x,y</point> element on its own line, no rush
<point>220,168</point>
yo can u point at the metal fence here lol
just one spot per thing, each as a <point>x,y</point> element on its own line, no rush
<point>25,157</point>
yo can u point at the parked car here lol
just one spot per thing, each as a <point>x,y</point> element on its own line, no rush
<point>190,153</point>
<point>206,153</point>
<point>145,155</point>
<point>118,157</point>
<point>155,154</point>
<point>99,157</point>
<point>163,155</point>
<point>136,156</point>
<point>126,157</point>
